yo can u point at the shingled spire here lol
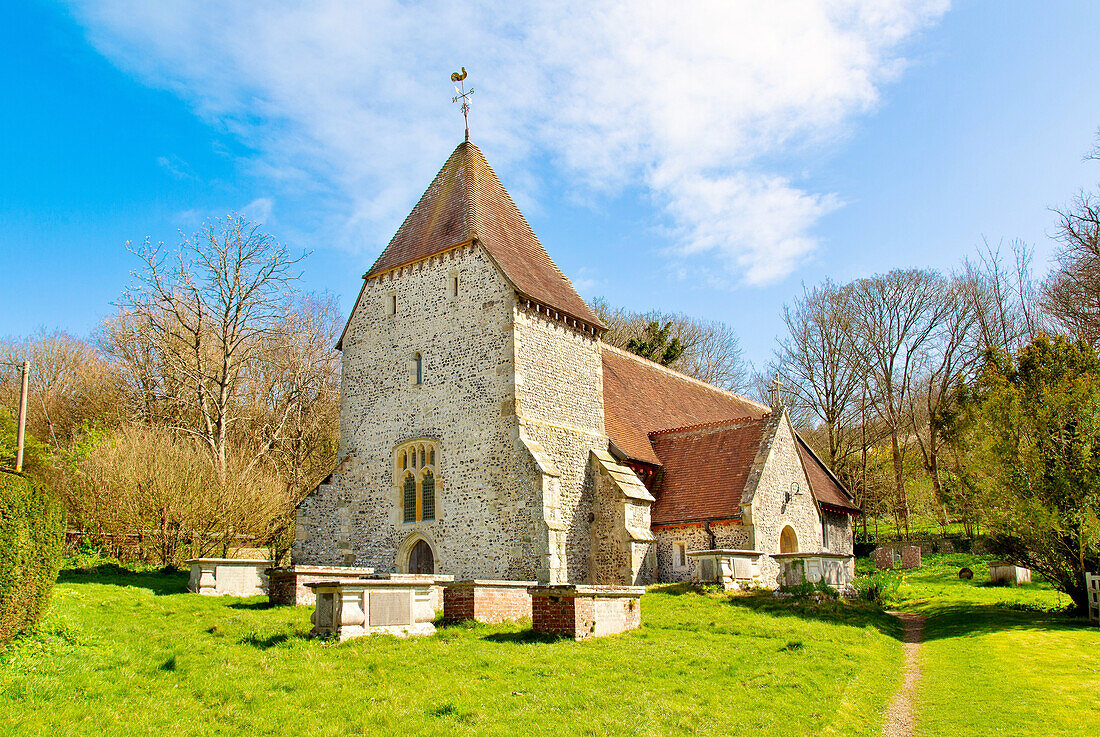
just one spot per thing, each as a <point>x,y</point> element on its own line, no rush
<point>466,203</point>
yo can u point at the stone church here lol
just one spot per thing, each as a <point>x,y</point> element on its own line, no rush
<point>487,432</point>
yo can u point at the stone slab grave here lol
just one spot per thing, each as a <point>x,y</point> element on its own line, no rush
<point>726,567</point>
<point>488,601</point>
<point>228,576</point>
<point>884,558</point>
<point>371,606</point>
<point>288,586</point>
<point>1092,591</point>
<point>910,556</point>
<point>1008,573</point>
<point>835,569</point>
<point>581,612</point>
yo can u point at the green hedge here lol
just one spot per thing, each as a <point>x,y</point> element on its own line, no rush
<point>32,535</point>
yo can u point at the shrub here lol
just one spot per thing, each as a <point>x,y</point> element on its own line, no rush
<point>878,587</point>
<point>32,536</point>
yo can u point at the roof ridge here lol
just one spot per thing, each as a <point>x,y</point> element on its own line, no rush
<point>477,184</point>
<point>709,425</point>
<point>681,375</point>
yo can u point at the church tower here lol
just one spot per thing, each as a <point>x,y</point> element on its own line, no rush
<point>472,437</point>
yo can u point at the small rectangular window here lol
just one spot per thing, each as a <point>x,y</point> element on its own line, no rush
<point>824,533</point>
<point>391,304</point>
<point>680,554</point>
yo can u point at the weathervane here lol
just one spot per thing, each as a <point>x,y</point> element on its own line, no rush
<point>464,96</point>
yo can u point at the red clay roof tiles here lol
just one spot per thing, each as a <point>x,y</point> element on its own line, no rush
<point>825,487</point>
<point>467,202</point>
<point>704,470</point>
<point>640,397</point>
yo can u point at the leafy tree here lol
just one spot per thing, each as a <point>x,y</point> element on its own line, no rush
<point>656,344</point>
<point>1040,425</point>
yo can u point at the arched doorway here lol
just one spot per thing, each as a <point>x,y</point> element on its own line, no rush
<point>421,559</point>
<point>788,541</point>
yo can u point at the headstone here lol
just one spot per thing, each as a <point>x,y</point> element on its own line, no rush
<point>910,556</point>
<point>884,558</point>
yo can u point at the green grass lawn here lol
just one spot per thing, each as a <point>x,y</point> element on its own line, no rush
<point>999,660</point>
<point>131,653</point>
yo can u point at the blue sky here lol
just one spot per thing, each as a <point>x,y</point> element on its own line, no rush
<point>708,163</point>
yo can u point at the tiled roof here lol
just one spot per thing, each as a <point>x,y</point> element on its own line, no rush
<point>704,470</point>
<point>640,397</point>
<point>467,202</point>
<point>825,487</point>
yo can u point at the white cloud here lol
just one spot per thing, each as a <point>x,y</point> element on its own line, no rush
<point>695,101</point>
<point>258,210</point>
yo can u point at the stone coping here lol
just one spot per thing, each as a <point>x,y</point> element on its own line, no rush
<point>336,570</point>
<point>368,583</point>
<point>409,577</point>
<point>491,582</point>
<point>726,551</point>
<point>223,561</point>
<point>586,590</point>
<point>795,556</point>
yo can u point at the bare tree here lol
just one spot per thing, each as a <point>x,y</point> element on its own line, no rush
<point>891,321</point>
<point>70,383</point>
<point>210,310</point>
<point>954,348</point>
<point>1071,294</point>
<point>711,349</point>
<point>815,363</point>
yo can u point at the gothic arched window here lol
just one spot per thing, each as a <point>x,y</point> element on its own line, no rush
<point>427,495</point>
<point>415,475</point>
<point>409,498</point>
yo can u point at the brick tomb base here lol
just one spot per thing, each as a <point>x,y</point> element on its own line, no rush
<point>487,601</point>
<point>580,612</point>
<point>288,586</point>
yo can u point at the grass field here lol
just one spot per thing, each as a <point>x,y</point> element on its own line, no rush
<point>125,652</point>
<point>998,660</point>
<point>131,653</point>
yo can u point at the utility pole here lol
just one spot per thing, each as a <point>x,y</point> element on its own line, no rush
<point>22,419</point>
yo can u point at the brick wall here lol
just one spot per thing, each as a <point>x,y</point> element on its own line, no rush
<point>489,603</point>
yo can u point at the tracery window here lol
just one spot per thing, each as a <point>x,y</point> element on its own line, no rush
<point>416,477</point>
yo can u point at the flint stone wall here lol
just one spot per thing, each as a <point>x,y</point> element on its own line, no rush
<point>485,477</point>
<point>770,513</point>
<point>727,535</point>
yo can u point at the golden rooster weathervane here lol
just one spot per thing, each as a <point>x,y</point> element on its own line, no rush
<point>464,96</point>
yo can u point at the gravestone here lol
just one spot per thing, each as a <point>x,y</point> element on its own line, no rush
<point>884,558</point>
<point>910,556</point>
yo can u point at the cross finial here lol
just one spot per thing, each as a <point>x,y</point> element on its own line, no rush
<point>463,95</point>
<point>778,391</point>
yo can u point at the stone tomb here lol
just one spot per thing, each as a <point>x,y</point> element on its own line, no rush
<point>488,601</point>
<point>835,569</point>
<point>289,586</point>
<point>1092,590</point>
<point>580,612</point>
<point>372,606</point>
<point>228,576</point>
<point>1008,573</point>
<point>727,567</point>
